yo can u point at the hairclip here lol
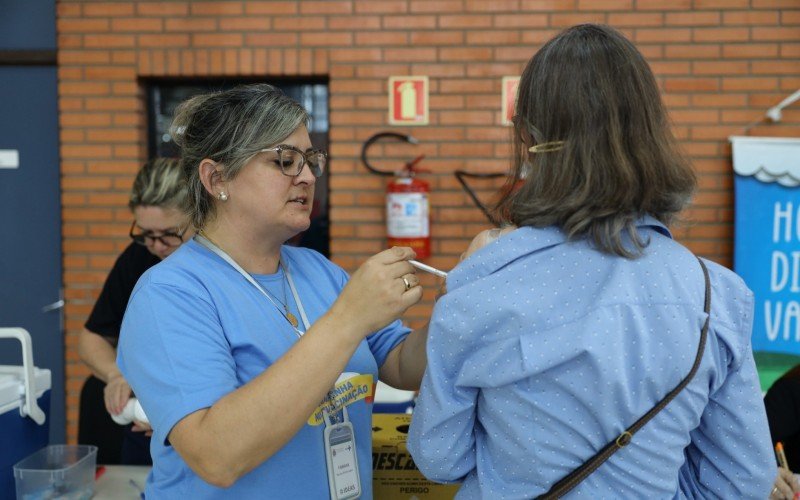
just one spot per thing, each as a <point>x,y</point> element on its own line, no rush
<point>547,147</point>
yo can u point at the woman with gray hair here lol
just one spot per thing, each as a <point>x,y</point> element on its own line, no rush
<point>158,202</point>
<point>255,361</point>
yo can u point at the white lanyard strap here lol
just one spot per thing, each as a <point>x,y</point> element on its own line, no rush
<point>227,258</point>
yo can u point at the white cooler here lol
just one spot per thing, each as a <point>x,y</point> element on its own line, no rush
<point>24,410</point>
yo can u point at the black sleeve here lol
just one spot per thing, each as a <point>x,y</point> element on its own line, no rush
<point>782,403</point>
<point>106,316</point>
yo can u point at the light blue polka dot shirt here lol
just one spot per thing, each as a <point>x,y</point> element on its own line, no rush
<point>544,350</point>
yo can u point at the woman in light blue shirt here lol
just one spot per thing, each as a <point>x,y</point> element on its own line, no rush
<point>556,337</point>
<point>255,361</point>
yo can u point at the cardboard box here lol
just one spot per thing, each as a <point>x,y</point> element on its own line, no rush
<point>394,474</point>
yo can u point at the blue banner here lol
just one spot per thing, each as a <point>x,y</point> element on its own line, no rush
<point>767,241</point>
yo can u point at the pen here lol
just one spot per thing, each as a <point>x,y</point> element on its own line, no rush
<point>781,455</point>
<point>425,267</point>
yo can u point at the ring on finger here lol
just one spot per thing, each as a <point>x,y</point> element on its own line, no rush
<point>407,283</point>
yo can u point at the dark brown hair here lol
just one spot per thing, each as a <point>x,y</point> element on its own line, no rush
<point>591,88</point>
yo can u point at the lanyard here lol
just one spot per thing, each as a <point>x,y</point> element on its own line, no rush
<point>227,258</point>
<point>296,296</point>
<point>341,457</point>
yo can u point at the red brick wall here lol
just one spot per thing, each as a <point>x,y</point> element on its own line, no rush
<point>721,64</point>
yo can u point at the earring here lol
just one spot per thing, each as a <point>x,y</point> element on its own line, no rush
<point>223,196</point>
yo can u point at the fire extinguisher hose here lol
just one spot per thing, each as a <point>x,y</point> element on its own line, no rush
<point>376,137</point>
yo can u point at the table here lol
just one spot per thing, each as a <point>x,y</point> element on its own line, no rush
<point>115,482</point>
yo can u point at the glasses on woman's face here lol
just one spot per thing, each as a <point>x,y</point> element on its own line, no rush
<point>291,160</point>
<point>147,238</point>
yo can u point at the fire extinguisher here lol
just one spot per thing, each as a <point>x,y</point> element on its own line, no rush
<point>407,203</point>
<point>408,211</point>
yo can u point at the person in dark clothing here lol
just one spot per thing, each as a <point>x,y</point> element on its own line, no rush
<point>160,226</point>
<point>783,414</point>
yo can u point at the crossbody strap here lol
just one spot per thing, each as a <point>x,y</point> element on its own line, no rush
<point>563,486</point>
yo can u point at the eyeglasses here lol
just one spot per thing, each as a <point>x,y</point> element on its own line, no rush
<point>147,238</point>
<point>291,160</point>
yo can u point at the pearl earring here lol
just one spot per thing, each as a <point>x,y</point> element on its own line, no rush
<point>223,196</point>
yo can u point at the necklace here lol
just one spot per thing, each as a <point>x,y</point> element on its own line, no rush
<point>291,318</point>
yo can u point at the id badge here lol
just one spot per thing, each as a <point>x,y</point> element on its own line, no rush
<point>340,455</point>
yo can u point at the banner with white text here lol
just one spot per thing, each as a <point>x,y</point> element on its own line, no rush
<point>767,245</point>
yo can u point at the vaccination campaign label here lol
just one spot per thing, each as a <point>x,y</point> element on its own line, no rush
<point>349,388</point>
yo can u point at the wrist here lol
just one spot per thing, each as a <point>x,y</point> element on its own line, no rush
<point>113,375</point>
<point>344,326</point>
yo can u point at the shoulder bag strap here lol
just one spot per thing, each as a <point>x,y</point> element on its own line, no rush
<point>575,477</point>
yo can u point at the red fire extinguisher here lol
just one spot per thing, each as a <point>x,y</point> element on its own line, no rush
<point>408,210</point>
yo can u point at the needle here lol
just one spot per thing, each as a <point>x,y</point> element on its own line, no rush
<point>425,267</point>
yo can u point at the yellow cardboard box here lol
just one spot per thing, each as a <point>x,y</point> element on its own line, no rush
<point>394,474</point>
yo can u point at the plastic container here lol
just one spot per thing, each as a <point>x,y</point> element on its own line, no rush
<point>61,471</point>
<point>391,400</point>
<point>24,409</point>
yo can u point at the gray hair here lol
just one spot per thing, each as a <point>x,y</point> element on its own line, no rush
<point>229,128</point>
<point>160,183</point>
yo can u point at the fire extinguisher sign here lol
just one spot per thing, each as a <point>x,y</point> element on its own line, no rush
<point>509,99</point>
<point>408,100</point>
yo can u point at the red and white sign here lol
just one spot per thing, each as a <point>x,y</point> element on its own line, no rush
<point>408,100</point>
<point>510,84</point>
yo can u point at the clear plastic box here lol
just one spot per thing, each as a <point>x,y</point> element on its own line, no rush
<point>57,471</point>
